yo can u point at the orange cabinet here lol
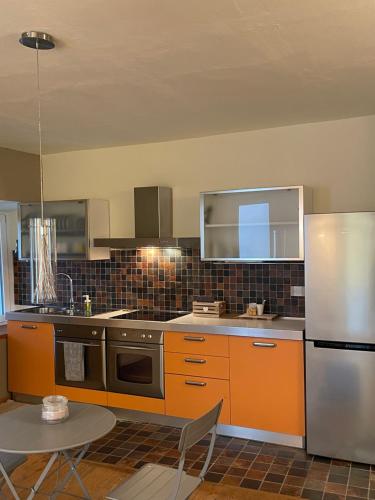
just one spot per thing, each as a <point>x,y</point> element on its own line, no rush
<point>31,358</point>
<point>197,365</point>
<point>267,384</point>
<point>190,397</point>
<point>197,343</point>
<point>82,395</point>
<point>130,402</point>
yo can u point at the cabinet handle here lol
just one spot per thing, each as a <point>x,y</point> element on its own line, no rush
<point>29,327</point>
<point>194,339</point>
<point>264,344</point>
<point>197,361</point>
<point>193,382</point>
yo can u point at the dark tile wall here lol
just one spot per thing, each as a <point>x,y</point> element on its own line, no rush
<point>170,279</point>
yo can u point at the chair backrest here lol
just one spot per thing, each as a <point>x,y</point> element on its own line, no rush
<point>194,431</point>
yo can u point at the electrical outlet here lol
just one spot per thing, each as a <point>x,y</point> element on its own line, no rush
<point>297,291</point>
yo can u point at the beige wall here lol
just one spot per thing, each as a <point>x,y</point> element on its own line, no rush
<point>337,159</point>
<point>19,176</point>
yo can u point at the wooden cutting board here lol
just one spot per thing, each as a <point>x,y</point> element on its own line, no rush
<point>263,316</point>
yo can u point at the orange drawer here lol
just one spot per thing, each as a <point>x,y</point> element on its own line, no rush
<point>82,395</point>
<point>197,365</point>
<point>190,397</point>
<point>197,343</point>
<point>130,402</point>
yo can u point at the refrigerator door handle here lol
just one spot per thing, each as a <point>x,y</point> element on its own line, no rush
<point>346,346</point>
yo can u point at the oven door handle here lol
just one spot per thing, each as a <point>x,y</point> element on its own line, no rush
<point>81,343</point>
<point>133,348</point>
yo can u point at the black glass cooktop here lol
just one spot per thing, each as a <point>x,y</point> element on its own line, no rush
<point>152,315</point>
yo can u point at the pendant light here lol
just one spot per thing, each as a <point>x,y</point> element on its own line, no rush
<point>42,230</point>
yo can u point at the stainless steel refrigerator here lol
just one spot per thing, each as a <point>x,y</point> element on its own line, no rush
<point>340,334</point>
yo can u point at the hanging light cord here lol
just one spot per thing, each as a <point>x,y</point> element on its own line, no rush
<point>40,136</point>
<point>45,287</point>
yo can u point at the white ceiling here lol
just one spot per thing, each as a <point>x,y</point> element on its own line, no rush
<point>135,71</point>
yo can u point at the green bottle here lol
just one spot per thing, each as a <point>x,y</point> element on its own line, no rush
<point>87,305</point>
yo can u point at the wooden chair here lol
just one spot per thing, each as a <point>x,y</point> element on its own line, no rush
<point>158,482</point>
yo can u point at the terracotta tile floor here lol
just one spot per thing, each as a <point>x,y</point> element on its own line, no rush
<point>239,462</point>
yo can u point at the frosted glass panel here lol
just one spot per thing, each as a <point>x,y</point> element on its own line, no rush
<point>254,235</point>
<point>258,225</point>
<point>70,216</point>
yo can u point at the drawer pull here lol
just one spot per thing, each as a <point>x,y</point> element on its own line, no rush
<point>193,382</point>
<point>196,361</point>
<point>264,344</point>
<point>194,339</point>
<point>29,327</point>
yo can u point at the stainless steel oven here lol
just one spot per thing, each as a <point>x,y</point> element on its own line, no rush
<point>135,363</point>
<point>80,356</point>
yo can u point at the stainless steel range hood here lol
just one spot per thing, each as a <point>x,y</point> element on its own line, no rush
<point>153,222</point>
<point>153,212</point>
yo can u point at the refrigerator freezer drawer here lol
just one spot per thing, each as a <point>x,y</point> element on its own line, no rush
<point>340,401</point>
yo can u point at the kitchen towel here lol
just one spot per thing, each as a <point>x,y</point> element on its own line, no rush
<point>74,362</point>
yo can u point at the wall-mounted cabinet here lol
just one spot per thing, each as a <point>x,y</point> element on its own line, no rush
<point>78,222</point>
<point>264,224</point>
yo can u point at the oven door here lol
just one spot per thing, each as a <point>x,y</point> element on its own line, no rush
<point>91,374</point>
<point>136,369</point>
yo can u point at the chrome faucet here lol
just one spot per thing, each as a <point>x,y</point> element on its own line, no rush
<point>71,299</point>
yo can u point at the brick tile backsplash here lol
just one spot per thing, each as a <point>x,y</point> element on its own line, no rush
<point>170,279</point>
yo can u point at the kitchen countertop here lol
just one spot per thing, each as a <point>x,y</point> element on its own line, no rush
<point>279,328</point>
<point>230,324</point>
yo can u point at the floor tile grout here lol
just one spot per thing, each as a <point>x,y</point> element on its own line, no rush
<point>133,444</point>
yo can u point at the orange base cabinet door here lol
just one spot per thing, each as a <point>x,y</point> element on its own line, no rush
<point>82,395</point>
<point>267,384</point>
<point>190,397</point>
<point>130,402</point>
<point>31,358</point>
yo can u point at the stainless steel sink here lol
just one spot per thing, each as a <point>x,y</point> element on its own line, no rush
<point>52,310</point>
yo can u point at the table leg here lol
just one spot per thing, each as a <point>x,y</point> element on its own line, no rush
<point>73,471</point>
<point>35,488</point>
<point>9,482</point>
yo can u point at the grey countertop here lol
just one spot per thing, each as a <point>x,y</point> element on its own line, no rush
<point>290,328</point>
<point>279,328</point>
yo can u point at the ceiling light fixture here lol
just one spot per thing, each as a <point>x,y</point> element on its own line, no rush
<point>42,230</point>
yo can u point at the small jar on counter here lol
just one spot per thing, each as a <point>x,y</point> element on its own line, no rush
<point>252,309</point>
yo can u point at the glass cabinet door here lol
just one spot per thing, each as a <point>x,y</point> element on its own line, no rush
<point>71,232</point>
<point>245,225</point>
<point>71,241</point>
